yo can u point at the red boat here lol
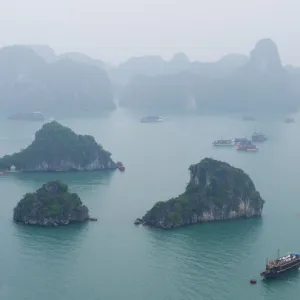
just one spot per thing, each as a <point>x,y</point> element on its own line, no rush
<point>120,166</point>
<point>246,147</point>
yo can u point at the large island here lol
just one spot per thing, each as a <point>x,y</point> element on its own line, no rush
<point>216,191</point>
<point>58,148</point>
<point>51,205</point>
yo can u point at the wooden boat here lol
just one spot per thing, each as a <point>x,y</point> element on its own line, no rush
<point>281,265</point>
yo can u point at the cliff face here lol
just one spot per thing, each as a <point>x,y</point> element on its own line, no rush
<point>58,148</point>
<point>51,205</point>
<point>265,57</point>
<point>216,191</point>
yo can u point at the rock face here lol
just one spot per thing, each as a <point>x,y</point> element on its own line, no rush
<point>58,148</point>
<point>216,191</point>
<point>51,205</point>
<point>265,57</point>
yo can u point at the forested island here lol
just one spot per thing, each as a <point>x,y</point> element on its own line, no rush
<point>216,191</point>
<point>51,205</point>
<point>57,148</point>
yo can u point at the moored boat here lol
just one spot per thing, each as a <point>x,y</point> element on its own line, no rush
<point>281,265</point>
<point>120,166</point>
<point>241,141</point>
<point>224,143</point>
<point>258,137</point>
<point>31,116</point>
<point>249,147</point>
<point>151,119</point>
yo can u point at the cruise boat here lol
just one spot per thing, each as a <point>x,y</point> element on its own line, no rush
<point>241,141</point>
<point>249,147</point>
<point>224,143</point>
<point>281,265</point>
<point>31,116</point>
<point>151,119</point>
<point>258,137</point>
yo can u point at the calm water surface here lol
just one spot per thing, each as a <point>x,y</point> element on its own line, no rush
<point>113,259</point>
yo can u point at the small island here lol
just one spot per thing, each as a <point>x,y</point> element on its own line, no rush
<point>51,205</point>
<point>216,191</point>
<point>57,148</point>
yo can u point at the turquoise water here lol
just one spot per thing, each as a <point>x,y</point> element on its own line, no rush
<point>113,259</point>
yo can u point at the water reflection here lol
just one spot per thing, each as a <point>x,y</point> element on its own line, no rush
<point>209,253</point>
<point>283,284</point>
<point>49,241</point>
<point>235,230</point>
<point>82,179</point>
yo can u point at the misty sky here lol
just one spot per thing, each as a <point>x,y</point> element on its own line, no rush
<point>114,30</point>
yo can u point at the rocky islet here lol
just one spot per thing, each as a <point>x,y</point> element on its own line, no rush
<point>51,205</point>
<point>57,148</point>
<point>216,191</point>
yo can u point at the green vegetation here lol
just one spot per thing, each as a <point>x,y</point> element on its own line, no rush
<point>56,148</point>
<point>215,188</point>
<point>52,201</point>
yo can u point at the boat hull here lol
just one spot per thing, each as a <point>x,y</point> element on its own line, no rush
<point>223,145</point>
<point>247,150</point>
<point>273,275</point>
<point>151,120</point>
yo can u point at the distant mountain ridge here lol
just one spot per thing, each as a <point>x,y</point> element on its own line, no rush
<point>28,82</point>
<point>233,84</point>
<point>153,65</point>
<point>34,77</point>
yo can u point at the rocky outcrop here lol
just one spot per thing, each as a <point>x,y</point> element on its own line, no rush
<point>265,57</point>
<point>51,205</point>
<point>57,148</point>
<point>216,191</point>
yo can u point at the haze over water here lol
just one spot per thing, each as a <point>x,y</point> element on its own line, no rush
<point>113,259</point>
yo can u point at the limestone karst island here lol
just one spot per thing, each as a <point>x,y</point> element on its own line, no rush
<point>216,191</point>
<point>51,205</point>
<point>58,148</point>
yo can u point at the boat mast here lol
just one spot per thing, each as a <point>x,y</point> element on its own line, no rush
<point>278,253</point>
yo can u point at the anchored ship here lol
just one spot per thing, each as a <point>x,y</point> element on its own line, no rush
<point>242,140</point>
<point>151,119</point>
<point>224,143</point>
<point>281,265</point>
<point>247,146</point>
<point>258,137</point>
<point>31,116</point>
